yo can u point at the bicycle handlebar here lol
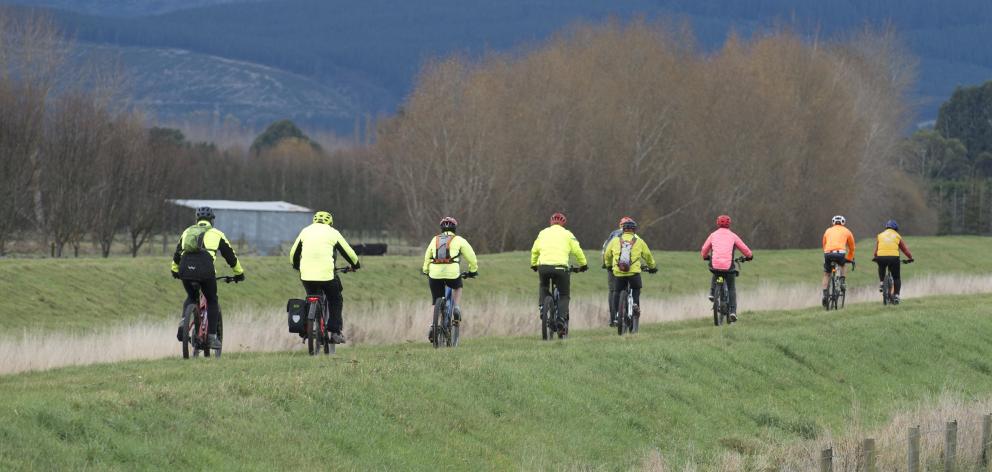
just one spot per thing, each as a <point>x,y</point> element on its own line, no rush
<point>907,261</point>
<point>226,278</point>
<point>344,270</point>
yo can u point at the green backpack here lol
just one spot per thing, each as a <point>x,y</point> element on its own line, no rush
<point>193,239</point>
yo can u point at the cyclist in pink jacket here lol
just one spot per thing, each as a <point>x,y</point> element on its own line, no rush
<point>719,250</point>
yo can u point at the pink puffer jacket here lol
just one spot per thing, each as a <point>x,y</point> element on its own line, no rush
<point>722,243</point>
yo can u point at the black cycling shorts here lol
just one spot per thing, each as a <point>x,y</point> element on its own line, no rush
<point>839,257</point>
<point>438,285</point>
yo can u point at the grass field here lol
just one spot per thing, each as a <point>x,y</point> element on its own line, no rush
<point>81,294</point>
<point>685,390</point>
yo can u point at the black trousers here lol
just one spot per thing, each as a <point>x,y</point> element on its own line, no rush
<point>562,278</point>
<point>609,283</point>
<point>893,264</point>
<point>731,278</point>
<point>208,287</point>
<point>633,283</point>
<point>331,290</point>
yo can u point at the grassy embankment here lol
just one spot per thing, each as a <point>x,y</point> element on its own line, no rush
<point>86,293</point>
<point>685,389</point>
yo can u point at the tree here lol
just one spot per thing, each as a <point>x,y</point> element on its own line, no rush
<point>967,116</point>
<point>277,132</point>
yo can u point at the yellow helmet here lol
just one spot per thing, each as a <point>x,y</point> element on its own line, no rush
<point>323,217</point>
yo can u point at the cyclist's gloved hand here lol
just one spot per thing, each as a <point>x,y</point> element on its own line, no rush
<point>533,268</point>
<point>653,270</point>
<point>356,266</point>
<point>239,277</point>
<point>706,258</point>
<point>606,267</point>
<point>472,275</point>
<point>175,275</point>
<point>749,258</point>
<point>909,261</point>
<point>583,268</point>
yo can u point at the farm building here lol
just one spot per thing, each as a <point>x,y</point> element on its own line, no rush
<point>266,227</point>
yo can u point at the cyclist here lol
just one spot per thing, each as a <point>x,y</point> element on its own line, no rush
<point>549,258</point>
<point>193,263</point>
<point>313,254</point>
<point>442,265</point>
<point>888,243</point>
<point>719,250</point>
<point>838,246</point>
<point>609,273</point>
<point>624,256</point>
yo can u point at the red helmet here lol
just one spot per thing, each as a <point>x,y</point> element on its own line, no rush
<point>723,221</point>
<point>558,219</point>
<point>448,223</point>
<point>628,224</point>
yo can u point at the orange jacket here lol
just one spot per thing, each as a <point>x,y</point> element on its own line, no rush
<point>839,238</point>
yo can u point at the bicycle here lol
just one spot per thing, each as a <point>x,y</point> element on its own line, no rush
<point>836,291</point>
<point>316,334</point>
<point>721,294</point>
<point>551,322</point>
<point>445,328</point>
<point>194,328</point>
<point>628,319</point>
<point>889,288</point>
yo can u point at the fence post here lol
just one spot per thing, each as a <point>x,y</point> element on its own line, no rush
<point>827,460</point>
<point>867,455</point>
<point>914,450</point>
<point>950,445</point>
<point>986,433</point>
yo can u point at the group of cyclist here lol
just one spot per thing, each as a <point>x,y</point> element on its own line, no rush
<point>624,255</point>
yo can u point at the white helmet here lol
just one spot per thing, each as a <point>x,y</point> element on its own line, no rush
<point>838,220</point>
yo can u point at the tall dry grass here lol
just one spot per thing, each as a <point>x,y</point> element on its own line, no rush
<point>254,330</point>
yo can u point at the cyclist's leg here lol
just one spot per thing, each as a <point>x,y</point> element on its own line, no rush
<point>437,289</point>
<point>635,289</point>
<point>881,269</point>
<point>619,284</point>
<point>456,295</point>
<point>335,304</point>
<point>544,274</point>
<point>563,282</point>
<point>192,295</point>
<point>611,281</point>
<point>209,289</point>
<point>826,271</point>
<point>895,268</point>
<point>731,290</point>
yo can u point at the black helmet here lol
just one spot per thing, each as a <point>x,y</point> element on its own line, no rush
<point>204,213</point>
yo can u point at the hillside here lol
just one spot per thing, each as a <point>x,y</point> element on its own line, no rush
<point>122,290</point>
<point>383,44</point>
<point>595,402</point>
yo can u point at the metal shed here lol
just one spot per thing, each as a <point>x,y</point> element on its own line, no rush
<point>266,227</point>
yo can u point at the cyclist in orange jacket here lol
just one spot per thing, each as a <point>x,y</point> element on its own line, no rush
<point>838,246</point>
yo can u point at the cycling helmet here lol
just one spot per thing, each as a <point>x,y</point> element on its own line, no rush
<point>323,218</point>
<point>204,213</point>
<point>448,223</point>
<point>558,219</point>
<point>723,221</point>
<point>838,220</point>
<point>628,224</point>
<point>892,224</point>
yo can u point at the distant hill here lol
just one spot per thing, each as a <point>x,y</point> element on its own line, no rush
<point>123,8</point>
<point>375,47</point>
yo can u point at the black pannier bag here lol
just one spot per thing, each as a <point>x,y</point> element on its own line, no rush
<point>296,313</point>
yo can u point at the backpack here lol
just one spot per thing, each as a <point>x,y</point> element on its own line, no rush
<point>193,239</point>
<point>442,249</point>
<point>626,248</point>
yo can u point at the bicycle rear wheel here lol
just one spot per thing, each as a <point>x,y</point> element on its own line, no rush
<point>313,328</point>
<point>186,326</point>
<point>886,288</point>
<point>547,329</point>
<point>439,307</point>
<point>724,304</point>
<point>622,313</point>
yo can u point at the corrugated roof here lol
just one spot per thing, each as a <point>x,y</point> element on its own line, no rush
<point>241,205</point>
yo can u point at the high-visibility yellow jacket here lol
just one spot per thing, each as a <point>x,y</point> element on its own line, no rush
<point>638,252</point>
<point>889,243</point>
<point>838,238</point>
<point>458,247</point>
<point>553,247</point>
<point>315,250</point>
<point>214,241</point>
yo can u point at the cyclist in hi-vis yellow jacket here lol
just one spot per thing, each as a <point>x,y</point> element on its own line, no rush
<point>442,265</point>
<point>549,257</point>
<point>624,256</point>
<point>313,254</point>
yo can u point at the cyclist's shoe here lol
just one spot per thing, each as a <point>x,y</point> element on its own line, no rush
<point>895,299</point>
<point>337,338</point>
<point>179,333</point>
<point>710,297</point>
<point>213,341</point>
<point>613,322</point>
<point>843,284</point>
<point>457,316</point>
<point>733,317</point>
<point>430,334</point>
<point>825,299</point>
<point>881,286</point>
<point>637,310</point>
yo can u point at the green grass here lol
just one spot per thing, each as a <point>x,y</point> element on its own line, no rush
<point>596,400</point>
<point>85,293</point>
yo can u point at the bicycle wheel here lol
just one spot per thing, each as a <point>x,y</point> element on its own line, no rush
<point>622,313</point>
<point>313,329</point>
<point>635,319</point>
<point>186,325</point>
<point>456,331</point>
<point>886,288</point>
<point>448,325</point>
<point>547,329</point>
<point>439,307</point>
<point>724,304</point>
